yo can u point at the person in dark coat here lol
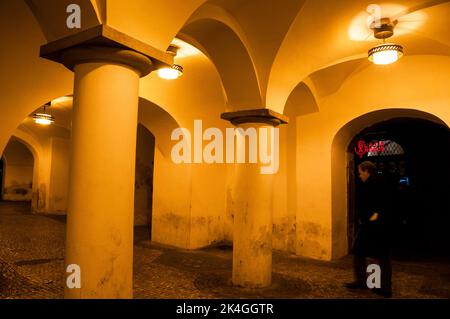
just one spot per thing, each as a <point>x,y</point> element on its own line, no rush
<point>374,234</point>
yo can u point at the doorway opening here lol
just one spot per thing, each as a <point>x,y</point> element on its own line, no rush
<point>1,178</point>
<point>413,155</point>
<point>17,165</point>
<point>143,190</point>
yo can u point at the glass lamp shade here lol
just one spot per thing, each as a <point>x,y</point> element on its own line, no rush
<point>172,73</point>
<point>385,54</point>
<point>43,119</point>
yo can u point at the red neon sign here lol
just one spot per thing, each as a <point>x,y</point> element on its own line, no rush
<point>374,147</point>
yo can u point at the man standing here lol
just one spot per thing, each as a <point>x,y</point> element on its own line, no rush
<point>373,238</point>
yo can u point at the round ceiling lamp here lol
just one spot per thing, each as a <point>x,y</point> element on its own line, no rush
<point>386,53</point>
<point>43,118</point>
<point>173,72</point>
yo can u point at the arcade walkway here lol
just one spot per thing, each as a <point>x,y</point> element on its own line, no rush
<point>32,266</point>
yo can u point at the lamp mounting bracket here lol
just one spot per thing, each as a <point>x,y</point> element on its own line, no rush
<point>383,28</point>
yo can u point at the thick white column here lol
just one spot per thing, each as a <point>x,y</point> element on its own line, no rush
<point>107,65</point>
<point>252,206</point>
<point>101,187</point>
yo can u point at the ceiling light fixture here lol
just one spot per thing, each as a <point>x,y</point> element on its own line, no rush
<point>174,72</point>
<point>44,118</point>
<point>386,53</point>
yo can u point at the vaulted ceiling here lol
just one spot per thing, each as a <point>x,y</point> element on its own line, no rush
<point>266,52</point>
<point>263,48</point>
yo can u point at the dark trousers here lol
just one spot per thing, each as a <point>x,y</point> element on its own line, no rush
<point>360,268</point>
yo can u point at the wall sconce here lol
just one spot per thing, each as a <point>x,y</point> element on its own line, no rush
<point>174,72</point>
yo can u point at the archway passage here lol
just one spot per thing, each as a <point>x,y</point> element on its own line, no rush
<point>413,156</point>
<point>143,191</point>
<point>17,172</point>
<point>1,177</point>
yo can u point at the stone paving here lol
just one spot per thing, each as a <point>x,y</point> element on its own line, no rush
<point>32,266</point>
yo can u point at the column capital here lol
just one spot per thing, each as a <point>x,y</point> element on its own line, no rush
<point>263,115</point>
<point>105,44</point>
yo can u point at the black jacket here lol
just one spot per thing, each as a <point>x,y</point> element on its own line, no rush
<point>374,237</point>
<point>375,196</point>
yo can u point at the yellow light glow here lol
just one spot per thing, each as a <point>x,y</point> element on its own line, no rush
<point>185,49</point>
<point>168,74</point>
<point>385,54</point>
<point>61,100</point>
<point>385,57</point>
<point>43,121</point>
<point>172,73</point>
<point>359,29</point>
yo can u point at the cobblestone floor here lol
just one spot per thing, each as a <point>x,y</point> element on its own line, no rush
<point>32,266</point>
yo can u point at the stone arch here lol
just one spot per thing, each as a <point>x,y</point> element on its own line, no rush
<point>170,217</point>
<point>23,70</point>
<point>339,160</point>
<point>143,185</point>
<point>153,135</point>
<point>237,71</point>
<point>52,15</point>
<point>20,191</point>
<point>300,102</point>
<point>155,22</point>
<point>358,95</point>
<point>322,47</point>
<point>159,122</point>
<point>33,146</point>
<point>38,197</point>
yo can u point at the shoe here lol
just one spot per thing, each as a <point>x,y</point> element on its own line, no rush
<point>356,285</point>
<point>382,292</point>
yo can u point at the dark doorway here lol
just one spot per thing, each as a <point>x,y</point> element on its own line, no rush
<point>414,156</point>
<point>143,192</point>
<point>17,172</point>
<point>1,178</point>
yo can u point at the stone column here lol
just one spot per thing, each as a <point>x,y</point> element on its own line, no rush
<point>101,187</point>
<point>252,205</point>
